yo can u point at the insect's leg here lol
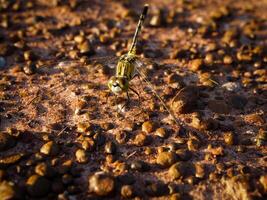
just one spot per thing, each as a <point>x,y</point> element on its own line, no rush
<point>139,101</point>
<point>116,101</point>
<point>136,94</point>
<point>128,100</point>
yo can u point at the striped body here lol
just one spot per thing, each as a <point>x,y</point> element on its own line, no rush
<point>126,66</point>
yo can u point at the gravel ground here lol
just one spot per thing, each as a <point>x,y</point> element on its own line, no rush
<point>63,135</point>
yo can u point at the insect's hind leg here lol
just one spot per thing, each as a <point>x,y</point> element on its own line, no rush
<point>134,91</point>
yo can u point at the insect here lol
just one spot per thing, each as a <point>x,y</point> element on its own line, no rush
<point>128,67</point>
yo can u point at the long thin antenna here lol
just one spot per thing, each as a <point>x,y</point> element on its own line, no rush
<point>138,28</point>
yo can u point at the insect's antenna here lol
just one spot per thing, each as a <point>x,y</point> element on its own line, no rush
<point>159,97</point>
<point>138,28</point>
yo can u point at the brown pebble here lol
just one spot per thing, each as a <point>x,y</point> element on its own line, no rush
<point>217,151</point>
<point>193,144</point>
<point>228,60</point>
<point>161,132</point>
<point>141,139</point>
<point>127,191</point>
<point>88,144</point>
<point>29,68</point>
<point>83,127</point>
<point>121,137</point>
<point>79,38</point>
<point>43,169</point>
<point>186,99</point>
<point>7,190</point>
<point>148,127</point>
<point>81,156</point>
<point>229,138</point>
<point>85,48</point>
<point>175,171</point>
<point>209,59</point>
<point>166,159</point>
<point>174,78</point>
<point>50,148</point>
<point>196,64</point>
<point>110,148</point>
<point>10,159</point>
<point>200,170</point>
<point>101,184</point>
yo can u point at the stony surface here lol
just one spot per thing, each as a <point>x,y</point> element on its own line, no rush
<point>60,126</point>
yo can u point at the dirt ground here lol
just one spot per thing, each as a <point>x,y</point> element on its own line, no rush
<point>64,135</point>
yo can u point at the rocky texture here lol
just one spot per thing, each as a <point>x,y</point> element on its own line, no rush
<point>60,125</point>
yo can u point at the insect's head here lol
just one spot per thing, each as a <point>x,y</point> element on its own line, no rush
<point>118,84</point>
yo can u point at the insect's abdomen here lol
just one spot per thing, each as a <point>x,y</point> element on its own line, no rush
<point>125,69</point>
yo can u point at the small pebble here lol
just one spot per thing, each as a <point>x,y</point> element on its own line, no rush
<point>127,191</point>
<point>193,144</point>
<point>175,171</point>
<point>50,148</point>
<point>231,86</point>
<point>229,138</point>
<point>209,59</point>
<point>228,60</point>
<point>81,156</point>
<point>166,159</point>
<point>186,99</point>
<point>141,139</point>
<point>110,147</point>
<point>148,127</point>
<point>161,132</point>
<point>79,39</point>
<point>43,169</point>
<point>200,170</point>
<point>10,159</point>
<point>7,190</point>
<point>83,127</point>
<point>139,165</point>
<point>29,68</point>
<point>101,184</point>
<point>196,64</point>
<point>85,48</point>
<point>121,137</point>
<point>183,154</point>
